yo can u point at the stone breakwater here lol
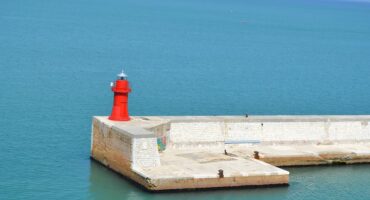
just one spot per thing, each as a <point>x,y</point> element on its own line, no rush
<point>187,152</point>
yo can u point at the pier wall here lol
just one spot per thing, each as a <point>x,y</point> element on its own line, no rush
<point>140,146</point>
<point>124,149</point>
<point>311,132</point>
<point>214,132</point>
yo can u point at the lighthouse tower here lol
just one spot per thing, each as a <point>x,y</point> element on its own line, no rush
<point>121,89</point>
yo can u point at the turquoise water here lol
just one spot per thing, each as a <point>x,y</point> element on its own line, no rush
<point>183,57</point>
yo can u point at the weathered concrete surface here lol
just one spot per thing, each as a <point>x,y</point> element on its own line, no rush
<point>274,129</point>
<point>299,155</point>
<point>185,152</point>
<point>184,170</point>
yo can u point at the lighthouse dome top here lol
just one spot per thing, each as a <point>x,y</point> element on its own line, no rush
<point>122,76</point>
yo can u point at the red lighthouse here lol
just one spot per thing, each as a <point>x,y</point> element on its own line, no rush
<point>121,89</point>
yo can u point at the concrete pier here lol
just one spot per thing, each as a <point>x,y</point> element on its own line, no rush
<point>186,152</point>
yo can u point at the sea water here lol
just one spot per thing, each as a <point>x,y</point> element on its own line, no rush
<point>183,57</point>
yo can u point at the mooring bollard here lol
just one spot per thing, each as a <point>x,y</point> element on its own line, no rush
<point>220,173</point>
<point>256,155</point>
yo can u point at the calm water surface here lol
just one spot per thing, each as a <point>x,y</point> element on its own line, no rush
<point>183,57</point>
